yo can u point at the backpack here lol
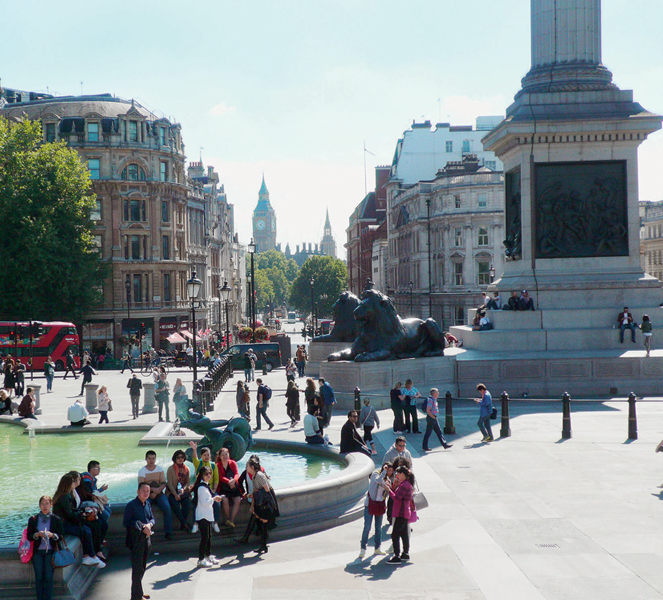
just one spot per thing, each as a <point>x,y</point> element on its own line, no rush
<point>267,392</point>
<point>424,405</point>
<point>25,547</point>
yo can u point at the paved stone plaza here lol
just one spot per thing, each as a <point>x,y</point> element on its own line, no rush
<point>526,517</point>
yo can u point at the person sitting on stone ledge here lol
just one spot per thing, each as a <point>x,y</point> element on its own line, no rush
<point>5,403</point>
<point>351,441</point>
<point>625,321</point>
<point>513,303</point>
<point>481,322</point>
<point>494,303</point>
<point>525,302</point>
<point>77,414</point>
<point>485,301</point>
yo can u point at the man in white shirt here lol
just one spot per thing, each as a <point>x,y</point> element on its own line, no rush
<point>154,475</point>
<point>312,428</point>
<point>77,414</point>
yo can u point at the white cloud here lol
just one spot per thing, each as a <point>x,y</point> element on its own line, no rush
<point>222,109</point>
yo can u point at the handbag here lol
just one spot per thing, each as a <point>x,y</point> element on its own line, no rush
<point>62,558</point>
<point>413,512</point>
<point>493,415</point>
<point>25,547</point>
<point>420,501</point>
<point>110,406</point>
<point>376,507</point>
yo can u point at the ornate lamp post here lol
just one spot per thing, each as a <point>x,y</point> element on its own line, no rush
<point>252,250</point>
<point>127,286</point>
<point>224,293</point>
<point>193,287</point>
<point>312,282</point>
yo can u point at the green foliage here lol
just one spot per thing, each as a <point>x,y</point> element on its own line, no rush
<point>274,276</point>
<point>51,264</point>
<point>331,278</point>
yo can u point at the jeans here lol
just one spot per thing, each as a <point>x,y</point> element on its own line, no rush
<point>327,414</point>
<point>368,518</point>
<point>126,365</point>
<point>397,408</point>
<point>83,385</point>
<point>301,367</point>
<point>247,375</point>
<point>400,531</point>
<point>41,562</point>
<point>84,534</point>
<point>49,383</point>
<point>263,411</point>
<point>315,439</point>
<point>484,425</point>
<point>163,401</point>
<point>630,326</point>
<point>410,413</point>
<point>432,425</point>
<point>104,417</point>
<point>162,502</point>
<point>135,405</point>
<point>181,508</point>
<point>205,547</point>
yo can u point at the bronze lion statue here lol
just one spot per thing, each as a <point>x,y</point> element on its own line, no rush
<point>383,335</point>
<point>346,327</point>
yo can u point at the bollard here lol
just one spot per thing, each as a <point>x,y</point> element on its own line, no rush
<point>632,418</point>
<point>357,399</point>
<point>448,415</point>
<point>91,398</point>
<point>149,400</point>
<point>505,430</point>
<point>566,416</point>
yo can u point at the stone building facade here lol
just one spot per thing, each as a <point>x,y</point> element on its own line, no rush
<point>445,240</point>
<point>651,238</point>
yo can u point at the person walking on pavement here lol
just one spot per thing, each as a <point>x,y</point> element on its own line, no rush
<point>263,396</point>
<point>126,362</point>
<point>49,372</point>
<point>409,396</point>
<point>139,523</point>
<point>71,365</point>
<point>327,393</point>
<point>135,385</point>
<point>87,371</point>
<point>486,409</point>
<point>432,424</point>
<point>368,419</point>
<point>162,394</point>
<point>248,367</point>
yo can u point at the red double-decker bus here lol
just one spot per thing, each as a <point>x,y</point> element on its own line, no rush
<point>52,339</point>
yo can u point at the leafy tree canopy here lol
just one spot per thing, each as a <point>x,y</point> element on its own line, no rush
<point>274,275</point>
<point>331,278</point>
<point>49,258</point>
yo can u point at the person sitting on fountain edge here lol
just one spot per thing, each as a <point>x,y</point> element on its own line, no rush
<point>351,441</point>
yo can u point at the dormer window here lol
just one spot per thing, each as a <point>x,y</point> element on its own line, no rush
<point>93,132</point>
<point>133,173</point>
<point>133,131</point>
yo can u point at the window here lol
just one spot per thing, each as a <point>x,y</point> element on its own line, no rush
<point>95,213</point>
<point>466,145</point>
<point>134,210</point>
<point>138,288</point>
<point>483,236</point>
<point>162,135</point>
<point>459,315</point>
<point>93,166</point>
<point>98,242</point>
<point>164,171</point>
<point>458,236</point>
<point>166,248</point>
<point>483,268</point>
<point>483,200</point>
<point>457,201</point>
<point>458,273</point>
<point>50,132</point>
<point>166,287</point>
<point>93,132</point>
<point>165,217</point>
<point>449,146</point>
<point>133,131</point>
<point>135,247</point>
<point>491,164</point>
<point>133,173</point>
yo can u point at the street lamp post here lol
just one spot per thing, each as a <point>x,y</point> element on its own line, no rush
<point>193,287</point>
<point>430,271</point>
<point>312,308</point>
<point>411,286</point>
<point>224,293</point>
<point>127,286</point>
<point>252,250</point>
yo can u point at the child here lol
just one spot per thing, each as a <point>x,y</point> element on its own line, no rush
<point>646,328</point>
<point>204,502</point>
<point>368,419</point>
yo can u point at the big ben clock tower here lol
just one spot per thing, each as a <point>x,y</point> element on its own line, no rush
<point>264,221</point>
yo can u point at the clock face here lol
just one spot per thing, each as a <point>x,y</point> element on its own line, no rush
<point>260,224</point>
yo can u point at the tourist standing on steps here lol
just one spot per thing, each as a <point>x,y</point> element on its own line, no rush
<point>203,500</point>
<point>646,328</point>
<point>432,424</point>
<point>135,385</point>
<point>402,493</point>
<point>87,371</point>
<point>409,396</point>
<point>263,396</point>
<point>486,408</point>
<point>139,523</point>
<point>70,365</point>
<point>327,394</point>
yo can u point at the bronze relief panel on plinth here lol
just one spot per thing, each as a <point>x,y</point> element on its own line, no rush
<point>580,209</point>
<point>513,248</point>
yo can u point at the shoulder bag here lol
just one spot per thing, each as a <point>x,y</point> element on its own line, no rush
<point>62,557</point>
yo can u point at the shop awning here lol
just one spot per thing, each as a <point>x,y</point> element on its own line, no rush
<point>186,333</point>
<point>176,338</point>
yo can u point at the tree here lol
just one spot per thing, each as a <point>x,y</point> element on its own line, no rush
<point>50,262</point>
<point>331,278</point>
<point>274,275</point>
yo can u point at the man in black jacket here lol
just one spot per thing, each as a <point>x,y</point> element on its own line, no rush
<point>351,441</point>
<point>139,522</point>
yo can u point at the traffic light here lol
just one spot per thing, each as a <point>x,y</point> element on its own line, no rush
<point>12,335</point>
<point>37,329</point>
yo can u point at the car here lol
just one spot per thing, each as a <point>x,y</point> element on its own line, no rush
<point>273,351</point>
<point>181,359</point>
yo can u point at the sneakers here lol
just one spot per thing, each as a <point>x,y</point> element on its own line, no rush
<point>205,563</point>
<point>213,559</point>
<point>487,439</point>
<point>362,553</point>
<point>379,552</point>
<point>194,529</point>
<point>271,426</point>
<point>394,560</point>
<point>446,446</point>
<point>93,562</point>
<point>230,524</point>
<point>405,556</point>
<point>216,527</point>
<point>426,450</point>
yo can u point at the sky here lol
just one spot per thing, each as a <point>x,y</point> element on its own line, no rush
<point>296,89</point>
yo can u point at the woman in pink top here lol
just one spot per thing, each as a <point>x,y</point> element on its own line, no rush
<point>402,491</point>
<point>228,485</point>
